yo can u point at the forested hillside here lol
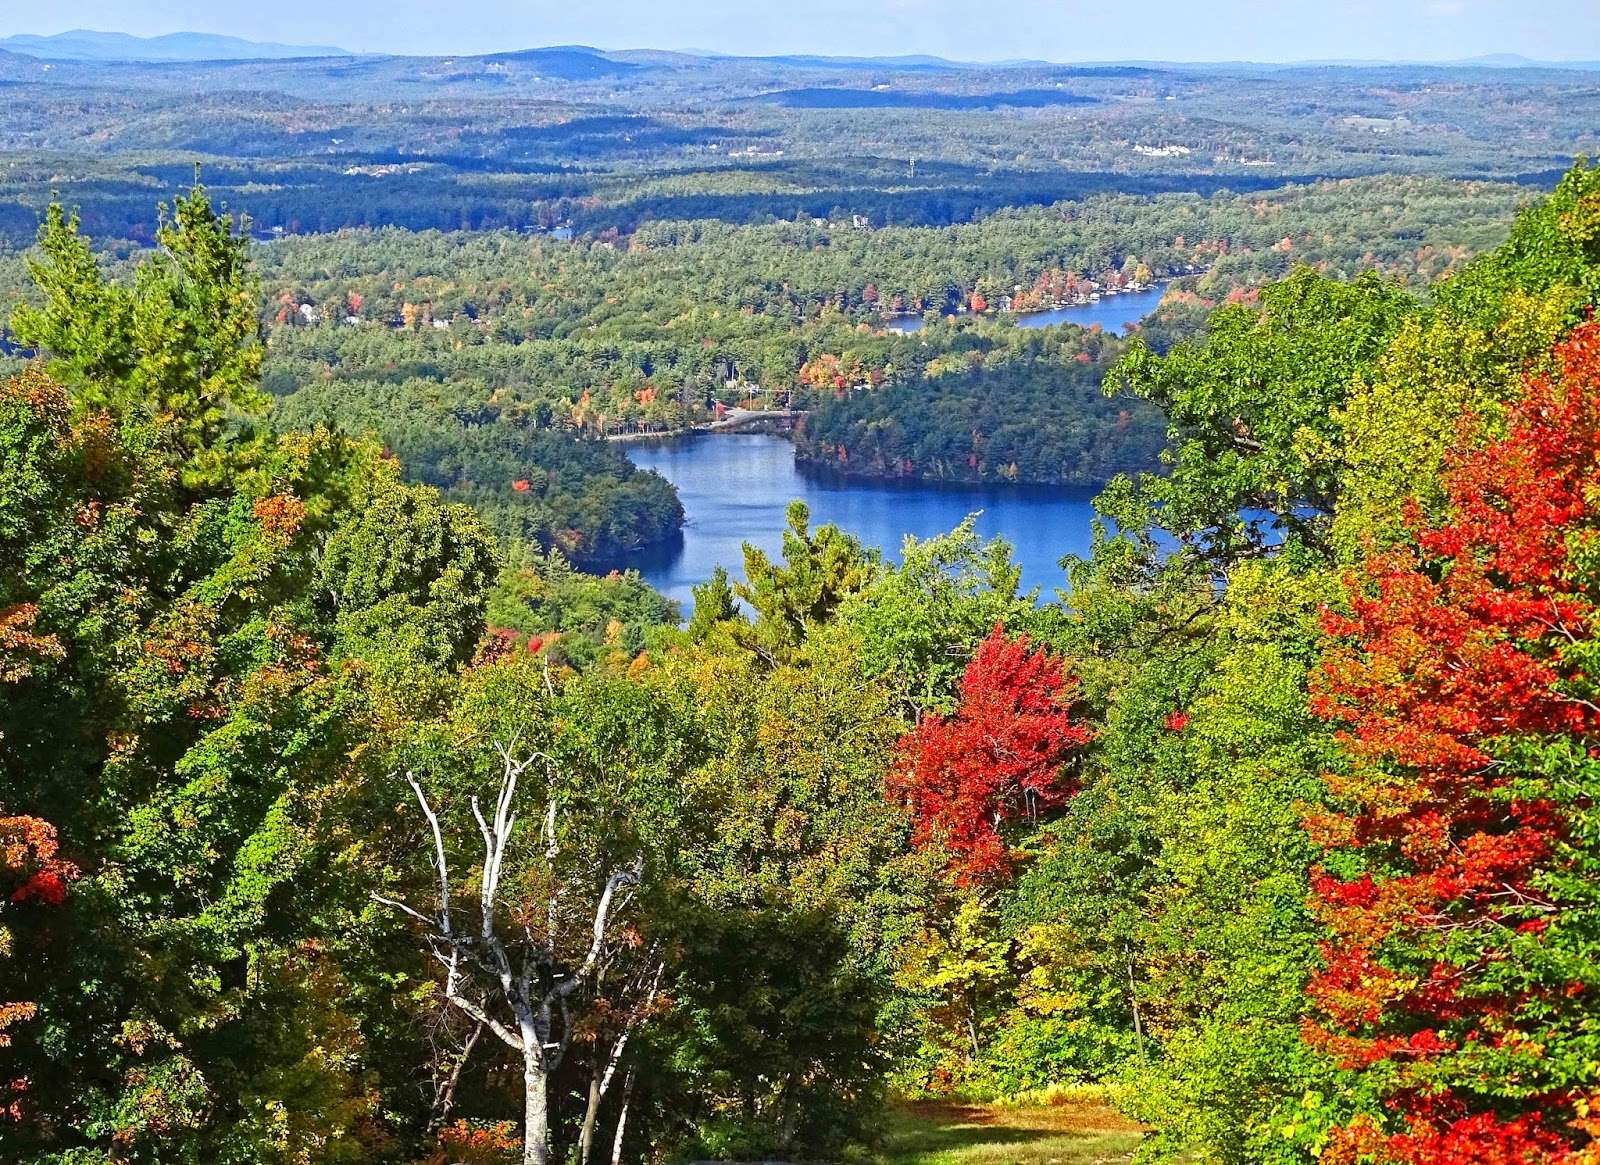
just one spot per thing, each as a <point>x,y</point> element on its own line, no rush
<point>449,345</point>
<point>478,357</point>
<point>614,141</point>
<point>335,827</point>
<point>479,260</point>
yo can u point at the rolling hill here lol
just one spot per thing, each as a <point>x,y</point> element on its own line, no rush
<point>88,45</point>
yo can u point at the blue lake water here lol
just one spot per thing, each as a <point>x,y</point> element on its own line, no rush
<point>735,487</point>
<point>1113,313</point>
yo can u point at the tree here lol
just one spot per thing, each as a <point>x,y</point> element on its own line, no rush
<point>1251,411</point>
<point>997,758</point>
<point>180,348</point>
<point>408,560</point>
<point>582,905</point>
<point>182,681</point>
<point>919,622</point>
<point>1459,885</point>
<point>817,573</point>
<point>714,603</point>
<point>31,874</point>
<point>492,970</point>
<point>774,1047</point>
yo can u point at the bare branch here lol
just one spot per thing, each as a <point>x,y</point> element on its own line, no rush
<point>401,906</point>
<point>473,1011</point>
<point>621,1045</point>
<point>552,851</point>
<point>438,852</point>
<point>617,881</point>
<point>445,1096</point>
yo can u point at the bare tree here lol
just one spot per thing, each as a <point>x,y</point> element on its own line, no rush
<point>501,973</point>
<point>444,1093</point>
<point>606,1055</point>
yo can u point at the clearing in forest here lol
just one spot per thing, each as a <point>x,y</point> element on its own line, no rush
<point>1076,1132</point>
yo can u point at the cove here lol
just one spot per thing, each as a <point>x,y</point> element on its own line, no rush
<point>735,487</point>
<point>1114,313</point>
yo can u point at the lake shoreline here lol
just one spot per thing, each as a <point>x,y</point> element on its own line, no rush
<point>736,487</point>
<point>829,470</point>
<point>824,470</point>
<point>1108,309</point>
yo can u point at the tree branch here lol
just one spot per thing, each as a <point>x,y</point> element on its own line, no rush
<point>438,852</point>
<point>473,1011</point>
<point>613,884</point>
<point>401,906</point>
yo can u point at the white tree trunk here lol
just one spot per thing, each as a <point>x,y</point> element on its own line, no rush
<point>535,1108</point>
<point>486,957</point>
<point>622,1119</point>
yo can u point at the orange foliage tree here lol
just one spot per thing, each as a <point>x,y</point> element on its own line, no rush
<point>30,873</point>
<point>1461,886</point>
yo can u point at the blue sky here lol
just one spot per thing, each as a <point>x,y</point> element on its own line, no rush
<point>1062,30</point>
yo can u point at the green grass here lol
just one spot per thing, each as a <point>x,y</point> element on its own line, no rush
<point>1069,1132</point>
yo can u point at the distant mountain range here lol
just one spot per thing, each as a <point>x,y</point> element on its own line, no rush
<point>1487,61</point>
<point>569,62</point>
<point>86,45</point>
<point>579,62</point>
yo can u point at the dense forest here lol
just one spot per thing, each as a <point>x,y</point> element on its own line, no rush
<point>484,262</point>
<point>337,831</point>
<point>477,356</point>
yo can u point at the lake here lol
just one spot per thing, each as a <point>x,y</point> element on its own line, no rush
<point>735,487</point>
<point>1113,313</point>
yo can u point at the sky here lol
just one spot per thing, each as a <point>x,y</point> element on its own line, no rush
<point>1057,30</point>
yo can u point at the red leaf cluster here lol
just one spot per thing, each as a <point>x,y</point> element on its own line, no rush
<point>997,758</point>
<point>28,861</point>
<point>32,871</point>
<point>1453,651</point>
<point>476,1143</point>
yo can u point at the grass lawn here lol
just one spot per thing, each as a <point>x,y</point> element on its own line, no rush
<point>1076,1132</point>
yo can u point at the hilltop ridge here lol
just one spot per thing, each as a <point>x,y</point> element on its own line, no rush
<point>82,44</point>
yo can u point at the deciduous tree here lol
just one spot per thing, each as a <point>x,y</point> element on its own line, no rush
<point>1001,756</point>
<point>1460,882</point>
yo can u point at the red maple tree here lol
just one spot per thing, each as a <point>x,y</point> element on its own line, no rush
<point>1461,976</point>
<point>998,758</point>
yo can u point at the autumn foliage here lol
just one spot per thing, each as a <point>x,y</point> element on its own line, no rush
<point>1462,978</point>
<point>30,869</point>
<point>998,757</point>
<point>30,872</point>
<point>477,1143</point>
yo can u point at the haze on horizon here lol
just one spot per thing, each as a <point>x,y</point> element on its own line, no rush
<point>1062,30</point>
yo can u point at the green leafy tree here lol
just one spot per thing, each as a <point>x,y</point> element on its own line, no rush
<point>200,696</point>
<point>181,347</point>
<point>818,571</point>
<point>1250,410</point>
